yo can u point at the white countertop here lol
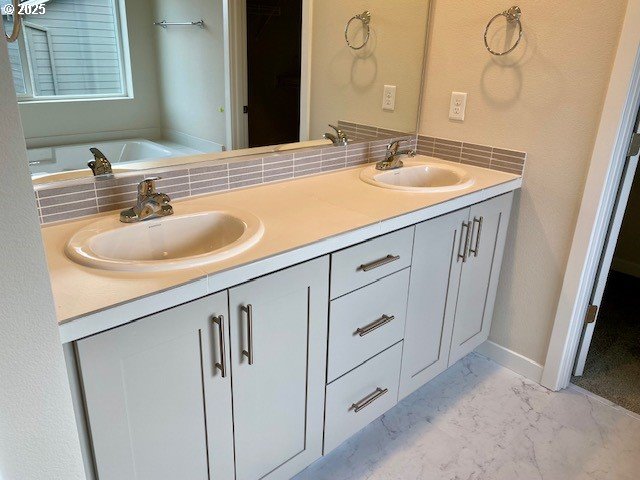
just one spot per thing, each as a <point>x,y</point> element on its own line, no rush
<point>303,218</point>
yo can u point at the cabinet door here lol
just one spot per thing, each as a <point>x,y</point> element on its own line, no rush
<point>280,322</point>
<point>435,273</point>
<point>480,273</point>
<point>157,406</point>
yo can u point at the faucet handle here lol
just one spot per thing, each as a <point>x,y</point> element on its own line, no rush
<point>340,135</point>
<point>393,147</point>
<point>147,186</point>
<point>338,131</point>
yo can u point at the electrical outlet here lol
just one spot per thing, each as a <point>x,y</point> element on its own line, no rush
<point>458,106</point>
<point>389,98</point>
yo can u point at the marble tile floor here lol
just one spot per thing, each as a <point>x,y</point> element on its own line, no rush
<point>482,421</point>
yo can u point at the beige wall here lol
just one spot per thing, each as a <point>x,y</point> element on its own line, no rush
<point>627,256</point>
<point>348,84</point>
<point>86,117</point>
<point>191,69</point>
<point>38,436</point>
<point>544,98</point>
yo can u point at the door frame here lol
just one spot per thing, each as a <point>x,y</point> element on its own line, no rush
<point>305,73</point>
<point>236,72</point>
<point>608,160</point>
<point>602,275</point>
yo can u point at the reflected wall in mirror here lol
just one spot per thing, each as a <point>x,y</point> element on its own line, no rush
<point>148,81</point>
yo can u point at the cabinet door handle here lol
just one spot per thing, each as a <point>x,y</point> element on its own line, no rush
<point>365,267</point>
<point>479,221</point>
<point>369,399</point>
<point>464,233</point>
<point>362,331</point>
<point>249,351</point>
<point>222,364</point>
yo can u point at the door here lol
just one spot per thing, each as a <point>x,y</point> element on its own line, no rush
<point>487,228</point>
<point>433,288</point>
<point>274,65</point>
<point>158,406</point>
<point>605,262</point>
<point>279,343</point>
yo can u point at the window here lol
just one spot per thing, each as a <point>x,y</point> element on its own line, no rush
<point>74,50</point>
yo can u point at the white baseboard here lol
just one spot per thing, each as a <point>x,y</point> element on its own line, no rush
<point>625,266</point>
<point>511,360</point>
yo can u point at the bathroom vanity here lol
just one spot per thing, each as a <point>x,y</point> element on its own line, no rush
<point>256,366</point>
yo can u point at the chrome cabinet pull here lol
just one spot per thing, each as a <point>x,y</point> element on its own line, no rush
<point>249,351</point>
<point>369,399</point>
<point>362,331</point>
<point>222,364</point>
<point>465,228</point>
<point>479,222</point>
<point>379,263</point>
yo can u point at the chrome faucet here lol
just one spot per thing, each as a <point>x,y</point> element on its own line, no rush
<point>392,157</point>
<point>150,204</point>
<point>340,138</point>
<point>99,165</point>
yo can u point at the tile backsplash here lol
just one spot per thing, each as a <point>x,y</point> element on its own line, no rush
<point>510,161</point>
<point>91,196</point>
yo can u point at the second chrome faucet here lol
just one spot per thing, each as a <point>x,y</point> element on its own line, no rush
<point>392,157</point>
<point>339,138</point>
<point>149,203</point>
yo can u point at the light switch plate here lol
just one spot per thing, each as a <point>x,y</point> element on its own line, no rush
<point>458,106</point>
<point>389,98</point>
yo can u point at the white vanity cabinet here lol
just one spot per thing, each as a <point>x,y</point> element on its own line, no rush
<point>487,225</point>
<point>157,405</point>
<point>260,380</point>
<point>159,394</point>
<point>454,277</point>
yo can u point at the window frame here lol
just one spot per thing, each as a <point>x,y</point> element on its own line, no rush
<point>122,43</point>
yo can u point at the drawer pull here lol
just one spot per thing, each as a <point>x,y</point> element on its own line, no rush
<point>369,399</point>
<point>379,263</point>
<point>362,331</point>
<point>222,365</point>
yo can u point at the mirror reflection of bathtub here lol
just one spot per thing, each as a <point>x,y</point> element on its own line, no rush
<point>53,164</point>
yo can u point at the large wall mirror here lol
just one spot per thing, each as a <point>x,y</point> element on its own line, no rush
<point>149,81</point>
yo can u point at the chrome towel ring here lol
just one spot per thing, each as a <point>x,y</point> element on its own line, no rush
<point>365,18</point>
<point>513,16</point>
<point>12,9</point>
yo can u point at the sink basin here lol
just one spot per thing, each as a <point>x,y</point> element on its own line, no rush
<point>420,176</point>
<point>169,243</point>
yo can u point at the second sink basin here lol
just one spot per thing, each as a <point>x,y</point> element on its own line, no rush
<point>420,176</point>
<point>169,243</point>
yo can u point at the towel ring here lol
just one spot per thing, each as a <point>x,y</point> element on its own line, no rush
<point>513,16</point>
<point>365,18</point>
<point>17,20</point>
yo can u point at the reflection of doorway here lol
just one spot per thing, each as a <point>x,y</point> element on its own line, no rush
<point>274,49</point>
<point>608,361</point>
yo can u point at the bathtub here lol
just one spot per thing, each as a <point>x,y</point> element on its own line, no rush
<point>70,161</point>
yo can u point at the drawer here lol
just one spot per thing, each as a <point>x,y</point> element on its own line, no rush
<point>357,266</point>
<point>365,322</point>
<point>356,399</point>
